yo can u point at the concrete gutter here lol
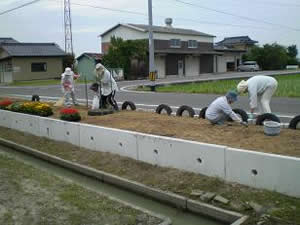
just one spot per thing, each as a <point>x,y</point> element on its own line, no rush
<point>171,199</point>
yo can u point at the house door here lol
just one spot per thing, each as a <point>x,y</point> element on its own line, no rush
<point>180,68</point>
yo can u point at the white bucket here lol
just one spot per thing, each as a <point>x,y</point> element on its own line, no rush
<point>271,128</point>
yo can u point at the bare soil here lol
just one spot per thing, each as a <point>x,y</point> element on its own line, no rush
<point>232,134</point>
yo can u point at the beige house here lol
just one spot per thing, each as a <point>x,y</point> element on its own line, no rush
<point>178,51</point>
<point>29,61</point>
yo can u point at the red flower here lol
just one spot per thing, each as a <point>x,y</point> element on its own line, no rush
<point>5,102</point>
<point>69,111</point>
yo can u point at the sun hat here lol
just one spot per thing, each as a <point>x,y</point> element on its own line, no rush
<point>232,95</point>
<point>68,71</point>
<point>242,86</point>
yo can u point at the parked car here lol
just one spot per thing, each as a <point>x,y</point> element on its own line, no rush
<point>249,66</point>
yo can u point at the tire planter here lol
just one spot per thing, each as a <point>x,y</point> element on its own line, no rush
<point>267,116</point>
<point>163,107</point>
<point>294,122</point>
<point>183,108</point>
<point>202,113</point>
<point>130,104</point>
<point>242,113</point>
<point>35,98</point>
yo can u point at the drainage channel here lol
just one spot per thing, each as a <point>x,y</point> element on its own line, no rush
<point>177,216</point>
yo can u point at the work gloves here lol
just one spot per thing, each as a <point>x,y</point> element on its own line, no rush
<point>243,123</point>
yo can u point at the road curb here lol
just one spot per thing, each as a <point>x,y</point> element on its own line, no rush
<point>165,197</point>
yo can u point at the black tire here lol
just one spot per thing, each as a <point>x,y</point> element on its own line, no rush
<point>183,108</point>
<point>130,104</point>
<point>294,122</point>
<point>242,113</point>
<point>202,113</point>
<point>267,116</point>
<point>35,98</point>
<point>164,107</point>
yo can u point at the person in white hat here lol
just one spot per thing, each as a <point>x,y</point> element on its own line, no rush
<point>108,86</point>
<point>219,110</point>
<point>67,83</point>
<point>260,90</point>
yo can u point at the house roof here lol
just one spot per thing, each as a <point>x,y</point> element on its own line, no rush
<point>7,40</point>
<point>95,56</point>
<point>159,29</point>
<point>32,49</point>
<point>237,40</point>
<point>222,48</point>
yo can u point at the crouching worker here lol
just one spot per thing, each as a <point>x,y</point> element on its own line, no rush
<point>219,110</point>
<point>108,87</point>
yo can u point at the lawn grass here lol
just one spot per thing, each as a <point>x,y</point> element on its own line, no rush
<point>288,86</point>
<point>41,82</point>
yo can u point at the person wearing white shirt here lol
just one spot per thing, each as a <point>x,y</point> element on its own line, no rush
<point>260,91</point>
<point>108,86</point>
<point>220,110</point>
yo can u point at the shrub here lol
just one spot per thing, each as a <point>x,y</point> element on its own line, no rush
<point>5,103</point>
<point>33,108</point>
<point>70,114</point>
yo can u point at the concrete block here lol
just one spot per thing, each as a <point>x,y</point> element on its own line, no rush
<point>18,121</point>
<point>115,141</point>
<point>221,199</point>
<point>262,170</point>
<point>5,118</point>
<point>207,159</point>
<point>88,136</point>
<point>32,125</point>
<point>208,196</point>
<point>212,211</point>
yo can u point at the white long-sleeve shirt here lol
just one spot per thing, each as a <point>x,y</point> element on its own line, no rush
<point>219,107</point>
<point>257,86</point>
<point>108,83</point>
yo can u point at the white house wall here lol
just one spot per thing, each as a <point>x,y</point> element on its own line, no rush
<point>130,34</point>
<point>192,66</point>
<point>160,63</point>
<point>221,64</point>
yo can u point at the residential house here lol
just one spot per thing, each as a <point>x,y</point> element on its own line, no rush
<point>178,51</point>
<point>240,43</point>
<point>86,64</point>
<point>29,61</point>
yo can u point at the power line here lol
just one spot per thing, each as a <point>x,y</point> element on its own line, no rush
<point>179,18</point>
<point>269,3</point>
<point>19,7</point>
<point>234,15</point>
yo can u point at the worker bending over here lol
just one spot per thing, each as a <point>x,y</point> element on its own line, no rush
<point>260,90</point>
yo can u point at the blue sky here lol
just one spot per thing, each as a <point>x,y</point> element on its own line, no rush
<point>43,21</point>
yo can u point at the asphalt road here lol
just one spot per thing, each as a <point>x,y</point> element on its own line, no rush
<point>149,100</point>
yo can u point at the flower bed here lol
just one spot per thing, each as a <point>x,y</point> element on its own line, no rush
<point>70,114</point>
<point>5,103</point>
<point>33,108</point>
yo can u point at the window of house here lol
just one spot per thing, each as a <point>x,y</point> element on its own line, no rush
<point>38,67</point>
<point>175,43</point>
<point>192,44</point>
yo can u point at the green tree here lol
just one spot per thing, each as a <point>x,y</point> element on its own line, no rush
<point>121,53</point>
<point>269,57</point>
<point>292,51</point>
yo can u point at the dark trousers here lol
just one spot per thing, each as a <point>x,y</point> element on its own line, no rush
<point>109,99</point>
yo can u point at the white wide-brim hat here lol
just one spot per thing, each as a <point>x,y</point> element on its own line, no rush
<point>68,71</point>
<point>242,86</point>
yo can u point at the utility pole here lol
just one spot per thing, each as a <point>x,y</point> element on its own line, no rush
<point>152,72</point>
<point>68,28</point>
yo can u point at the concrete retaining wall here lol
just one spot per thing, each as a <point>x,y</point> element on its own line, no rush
<point>255,169</point>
